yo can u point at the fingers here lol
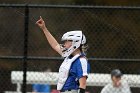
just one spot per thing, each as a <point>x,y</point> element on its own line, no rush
<point>40,21</point>
<point>41,18</point>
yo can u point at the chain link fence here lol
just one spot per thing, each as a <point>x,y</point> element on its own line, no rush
<point>112,34</point>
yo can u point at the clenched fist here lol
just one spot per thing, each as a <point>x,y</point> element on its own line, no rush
<point>41,23</point>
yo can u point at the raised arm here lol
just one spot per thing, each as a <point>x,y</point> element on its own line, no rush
<point>52,41</point>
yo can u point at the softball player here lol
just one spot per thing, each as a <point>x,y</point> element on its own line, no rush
<point>74,70</point>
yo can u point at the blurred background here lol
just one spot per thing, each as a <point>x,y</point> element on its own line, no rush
<point>112,33</point>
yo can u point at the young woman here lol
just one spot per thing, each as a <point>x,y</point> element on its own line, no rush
<point>73,72</point>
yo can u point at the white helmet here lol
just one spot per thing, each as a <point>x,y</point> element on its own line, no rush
<point>77,39</point>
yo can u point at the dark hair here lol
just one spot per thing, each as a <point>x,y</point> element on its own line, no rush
<point>116,73</point>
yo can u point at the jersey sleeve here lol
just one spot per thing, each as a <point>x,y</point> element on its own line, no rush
<point>82,68</point>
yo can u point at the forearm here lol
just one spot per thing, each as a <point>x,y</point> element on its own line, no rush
<point>82,82</point>
<point>54,44</point>
<point>52,41</point>
<point>82,86</point>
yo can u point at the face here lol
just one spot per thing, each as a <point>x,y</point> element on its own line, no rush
<point>116,81</point>
<point>67,44</point>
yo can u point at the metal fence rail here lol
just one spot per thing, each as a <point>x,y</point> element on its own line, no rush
<point>60,58</point>
<point>69,6</point>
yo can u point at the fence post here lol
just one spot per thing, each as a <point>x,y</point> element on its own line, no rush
<point>26,22</point>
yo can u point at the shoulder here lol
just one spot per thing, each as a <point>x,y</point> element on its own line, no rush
<point>83,59</point>
<point>125,83</point>
<point>108,85</point>
<point>106,88</point>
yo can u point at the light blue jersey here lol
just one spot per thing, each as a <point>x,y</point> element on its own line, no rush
<point>79,68</point>
<point>41,88</point>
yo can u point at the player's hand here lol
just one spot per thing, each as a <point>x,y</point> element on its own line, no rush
<point>41,23</point>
